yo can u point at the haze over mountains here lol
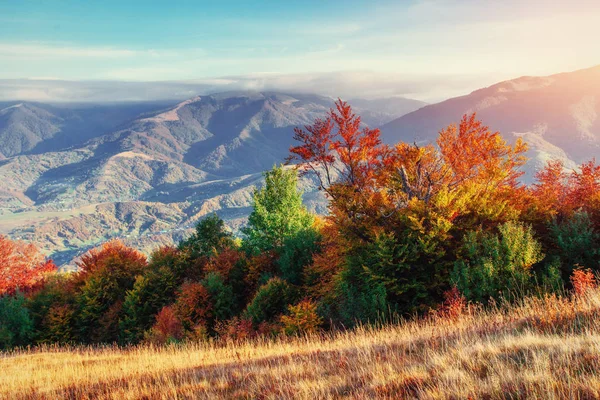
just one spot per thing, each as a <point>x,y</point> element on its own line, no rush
<point>558,116</point>
<point>74,176</point>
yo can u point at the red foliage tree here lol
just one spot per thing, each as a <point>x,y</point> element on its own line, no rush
<point>21,266</point>
<point>112,258</point>
<point>193,306</point>
<point>338,150</point>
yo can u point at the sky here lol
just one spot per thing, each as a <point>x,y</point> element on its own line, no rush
<point>424,49</point>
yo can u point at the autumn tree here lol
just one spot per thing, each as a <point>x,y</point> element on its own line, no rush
<point>105,276</point>
<point>345,157</point>
<point>21,266</point>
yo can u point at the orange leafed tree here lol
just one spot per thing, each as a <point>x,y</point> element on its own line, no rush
<point>550,191</point>
<point>346,159</point>
<point>473,152</point>
<point>338,150</point>
<point>21,266</point>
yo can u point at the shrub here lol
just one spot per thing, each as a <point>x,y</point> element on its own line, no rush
<point>495,265</point>
<point>301,318</point>
<point>270,300</point>
<point>582,281</point>
<point>167,327</point>
<point>297,253</point>
<point>577,242</point>
<point>221,296</point>
<point>236,329</point>
<point>358,304</point>
<point>454,305</point>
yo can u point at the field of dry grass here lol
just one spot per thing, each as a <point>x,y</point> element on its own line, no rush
<point>542,348</point>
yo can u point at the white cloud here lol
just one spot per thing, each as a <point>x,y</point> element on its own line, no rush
<point>345,84</point>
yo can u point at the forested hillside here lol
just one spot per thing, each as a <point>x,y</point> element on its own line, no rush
<point>410,229</point>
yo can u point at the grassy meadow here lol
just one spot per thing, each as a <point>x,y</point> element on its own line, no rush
<point>540,348</point>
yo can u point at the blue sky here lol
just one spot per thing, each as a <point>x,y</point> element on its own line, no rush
<point>422,48</point>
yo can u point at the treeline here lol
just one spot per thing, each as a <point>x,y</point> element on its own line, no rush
<point>408,227</point>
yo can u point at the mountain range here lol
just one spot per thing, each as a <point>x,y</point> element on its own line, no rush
<point>74,176</point>
<point>145,173</point>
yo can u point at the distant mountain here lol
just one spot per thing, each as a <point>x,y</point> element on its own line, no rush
<point>27,127</point>
<point>557,115</point>
<point>377,112</point>
<point>149,180</point>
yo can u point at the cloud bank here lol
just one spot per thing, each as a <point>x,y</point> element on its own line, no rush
<point>347,84</point>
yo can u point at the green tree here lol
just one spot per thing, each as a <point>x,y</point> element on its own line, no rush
<point>210,238</point>
<point>271,300</point>
<point>297,253</point>
<point>277,212</point>
<point>577,242</point>
<point>221,296</point>
<point>496,265</point>
<point>16,326</point>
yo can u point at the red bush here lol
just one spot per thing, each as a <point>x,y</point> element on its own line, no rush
<point>583,280</point>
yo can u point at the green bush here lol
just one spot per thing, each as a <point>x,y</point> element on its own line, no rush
<point>297,253</point>
<point>577,242</point>
<point>221,296</point>
<point>16,325</point>
<point>271,300</point>
<point>496,265</point>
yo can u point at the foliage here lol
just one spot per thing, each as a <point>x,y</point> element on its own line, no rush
<point>278,213</point>
<point>221,296</point>
<point>270,300</point>
<point>106,275</point>
<point>209,239</point>
<point>21,266</point>
<point>301,318</point>
<point>297,253</point>
<point>16,326</point>
<point>193,306</point>
<point>576,241</point>
<point>166,329</point>
<point>582,281</point>
<point>499,264</point>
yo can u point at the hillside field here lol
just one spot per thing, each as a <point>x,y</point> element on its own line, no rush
<point>541,348</point>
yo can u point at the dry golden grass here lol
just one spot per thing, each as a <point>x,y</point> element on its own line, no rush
<point>542,348</point>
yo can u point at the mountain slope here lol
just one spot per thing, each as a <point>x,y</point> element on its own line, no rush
<point>557,115</point>
<point>168,168</point>
<point>38,128</point>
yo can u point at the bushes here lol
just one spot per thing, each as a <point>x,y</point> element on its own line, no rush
<point>301,318</point>
<point>576,241</point>
<point>167,327</point>
<point>270,300</point>
<point>495,265</point>
<point>297,253</point>
<point>16,326</point>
